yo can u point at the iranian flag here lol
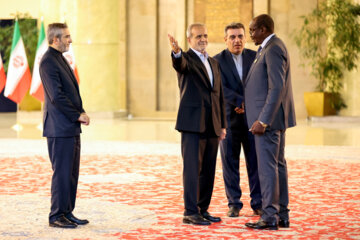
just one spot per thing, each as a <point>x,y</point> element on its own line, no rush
<point>18,75</point>
<point>36,88</point>
<point>70,57</point>
<point>2,75</point>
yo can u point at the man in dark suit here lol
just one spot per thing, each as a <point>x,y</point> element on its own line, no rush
<point>201,121</point>
<point>270,111</point>
<point>63,114</point>
<point>235,62</point>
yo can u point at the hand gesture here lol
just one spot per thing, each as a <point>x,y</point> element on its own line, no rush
<point>174,44</point>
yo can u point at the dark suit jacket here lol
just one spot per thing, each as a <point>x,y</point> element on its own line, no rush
<point>199,102</point>
<point>63,104</point>
<point>268,90</point>
<point>233,85</point>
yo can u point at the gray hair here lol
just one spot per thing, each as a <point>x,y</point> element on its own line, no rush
<point>234,25</point>
<point>55,30</point>
<point>191,26</point>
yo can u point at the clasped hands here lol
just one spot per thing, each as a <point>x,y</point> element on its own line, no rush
<point>84,119</point>
<point>240,110</point>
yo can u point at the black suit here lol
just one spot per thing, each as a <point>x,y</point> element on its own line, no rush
<point>62,110</point>
<point>201,117</point>
<point>237,132</point>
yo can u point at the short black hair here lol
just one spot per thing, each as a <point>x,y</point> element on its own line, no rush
<point>265,21</point>
<point>234,25</point>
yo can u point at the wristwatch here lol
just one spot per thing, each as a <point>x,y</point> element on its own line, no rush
<point>263,124</point>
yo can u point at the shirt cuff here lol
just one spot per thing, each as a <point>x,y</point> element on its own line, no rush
<point>177,55</point>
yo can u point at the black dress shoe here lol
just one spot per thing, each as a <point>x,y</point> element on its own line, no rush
<point>195,219</point>
<point>62,222</point>
<point>74,219</point>
<point>261,224</point>
<point>284,223</point>
<point>233,211</point>
<point>207,216</point>
<point>258,212</point>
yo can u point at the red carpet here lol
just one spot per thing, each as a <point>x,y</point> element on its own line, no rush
<point>143,195</point>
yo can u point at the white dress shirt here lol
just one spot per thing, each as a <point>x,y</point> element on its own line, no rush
<point>238,60</point>
<point>204,60</point>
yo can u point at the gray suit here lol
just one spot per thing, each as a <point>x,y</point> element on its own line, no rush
<point>269,99</point>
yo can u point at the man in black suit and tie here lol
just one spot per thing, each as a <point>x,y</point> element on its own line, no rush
<point>235,62</point>
<point>269,107</point>
<point>63,114</point>
<point>201,121</point>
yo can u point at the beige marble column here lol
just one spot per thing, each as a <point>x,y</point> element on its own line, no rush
<point>261,7</point>
<point>142,56</point>
<point>98,33</point>
<point>171,20</point>
<point>351,90</point>
<point>286,15</point>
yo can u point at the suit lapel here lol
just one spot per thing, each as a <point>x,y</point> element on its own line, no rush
<point>201,66</point>
<point>68,70</point>
<point>258,56</point>
<point>246,63</point>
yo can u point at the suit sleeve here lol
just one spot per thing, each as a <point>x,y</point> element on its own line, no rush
<point>180,63</point>
<point>52,85</point>
<point>276,61</point>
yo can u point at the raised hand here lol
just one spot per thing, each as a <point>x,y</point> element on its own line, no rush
<point>174,44</point>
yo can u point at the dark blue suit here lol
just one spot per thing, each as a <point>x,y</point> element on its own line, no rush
<point>62,109</point>
<point>237,132</point>
<point>269,99</point>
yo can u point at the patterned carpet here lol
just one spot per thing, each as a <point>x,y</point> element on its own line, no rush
<point>133,190</point>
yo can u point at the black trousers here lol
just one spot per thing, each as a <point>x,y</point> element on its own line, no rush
<point>64,153</point>
<point>199,151</point>
<point>230,149</point>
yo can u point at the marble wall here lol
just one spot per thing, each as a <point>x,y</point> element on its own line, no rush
<point>123,54</point>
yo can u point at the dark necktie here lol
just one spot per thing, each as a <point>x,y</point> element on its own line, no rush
<point>259,50</point>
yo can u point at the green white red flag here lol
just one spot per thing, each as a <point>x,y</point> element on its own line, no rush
<point>36,88</point>
<point>18,75</point>
<point>2,75</point>
<point>70,57</point>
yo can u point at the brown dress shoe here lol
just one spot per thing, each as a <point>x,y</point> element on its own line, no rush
<point>195,219</point>
<point>261,224</point>
<point>233,211</point>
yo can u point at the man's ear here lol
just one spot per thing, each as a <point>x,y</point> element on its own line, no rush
<point>56,40</point>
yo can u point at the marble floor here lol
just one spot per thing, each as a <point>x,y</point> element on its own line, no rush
<point>130,182</point>
<point>327,131</point>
